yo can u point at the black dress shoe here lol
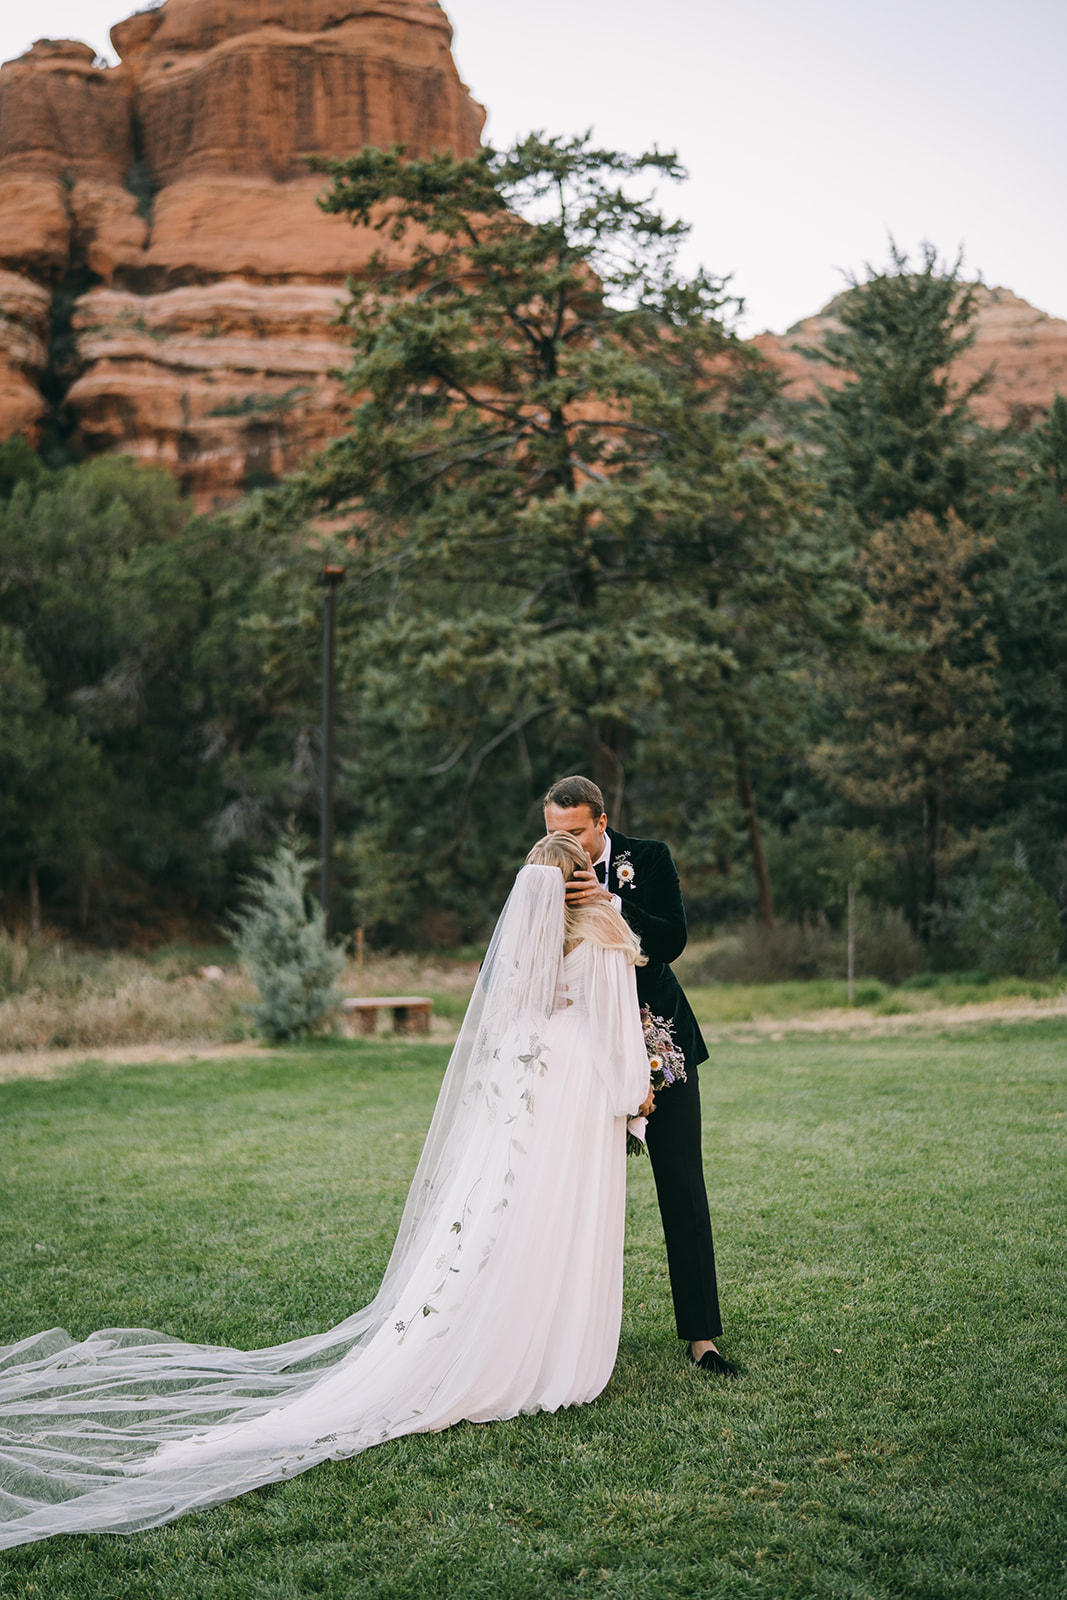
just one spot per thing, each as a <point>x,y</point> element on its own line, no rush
<point>712,1361</point>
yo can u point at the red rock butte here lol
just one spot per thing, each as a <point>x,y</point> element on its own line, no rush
<point>1023,350</point>
<point>165,274</point>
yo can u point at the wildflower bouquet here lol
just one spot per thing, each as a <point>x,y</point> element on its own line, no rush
<point>666,1065</point>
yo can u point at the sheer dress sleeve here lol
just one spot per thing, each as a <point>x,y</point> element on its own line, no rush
<point>618,1041</point>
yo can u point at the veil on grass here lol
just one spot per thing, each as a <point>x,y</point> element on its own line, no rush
<point>127,1428</point>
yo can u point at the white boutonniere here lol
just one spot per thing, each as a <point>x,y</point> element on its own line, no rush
<point>624,871</point>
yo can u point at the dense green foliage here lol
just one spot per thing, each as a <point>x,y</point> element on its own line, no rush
<point>147,747</point>
<point>1012,924</point>
<point>887,1218</point>
<point>918,738</point>
<point>811,646</point>
<point>570,545</point>
<point>1028,602</point>
<point>936,740</point>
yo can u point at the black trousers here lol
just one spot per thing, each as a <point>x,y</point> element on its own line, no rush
<point>678,1168</point>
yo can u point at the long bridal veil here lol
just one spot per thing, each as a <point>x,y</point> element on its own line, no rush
<point>127,1428</point>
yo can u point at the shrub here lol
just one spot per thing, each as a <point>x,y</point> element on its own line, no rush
<point>895,1007</point>
<point>283,945</point>
<point>758,954</point>
<point>886,947</point>
<point>869,992</point>
<point>16,960</point>
<point>37,961</point>
<point>924,980</point>
<point>1012,927</point>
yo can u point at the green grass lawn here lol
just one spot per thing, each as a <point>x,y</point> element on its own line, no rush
<point>889,1217</point>
<point>724,1003</point>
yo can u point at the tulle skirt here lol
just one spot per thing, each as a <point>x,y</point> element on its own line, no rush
<point>509,1300</point>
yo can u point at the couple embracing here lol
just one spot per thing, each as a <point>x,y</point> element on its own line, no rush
<point>503,1293</point>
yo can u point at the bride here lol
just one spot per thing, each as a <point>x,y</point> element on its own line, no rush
<point>503,1293</point>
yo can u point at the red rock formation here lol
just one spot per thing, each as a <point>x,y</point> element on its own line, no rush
<point>233,94</point>
<point>1025,351</point>
<point>227,384</point>
<point>173,192</point>
<point>66,148</point>
<point>23,355</point>
<point>169,201</point>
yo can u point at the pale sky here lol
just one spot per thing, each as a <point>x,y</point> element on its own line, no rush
<point>811,129</point>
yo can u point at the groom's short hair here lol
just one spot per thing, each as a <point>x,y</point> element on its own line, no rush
<point>576,791</point>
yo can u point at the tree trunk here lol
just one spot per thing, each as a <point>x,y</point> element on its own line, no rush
<point>35,902</point>
<point>931,853</point>
<point>607,770</point>
<point>83,903</point>
<point>759,860</point>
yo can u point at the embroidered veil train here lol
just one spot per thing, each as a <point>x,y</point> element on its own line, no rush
<point>503,1293</point>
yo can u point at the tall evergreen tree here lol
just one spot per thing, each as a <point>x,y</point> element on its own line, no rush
<point>898,435</point>
<point>920,727</point>
<point>1030,600</point>
<point>913,729</point>
<point>568,544</point>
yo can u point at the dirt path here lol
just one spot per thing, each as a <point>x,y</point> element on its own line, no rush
<point>52,1063</point>
<point>1013,1009</point>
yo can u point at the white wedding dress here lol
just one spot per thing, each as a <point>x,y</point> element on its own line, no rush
<point>503,1293</point>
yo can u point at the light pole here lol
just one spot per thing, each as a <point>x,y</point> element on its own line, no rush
<point>331,578</point>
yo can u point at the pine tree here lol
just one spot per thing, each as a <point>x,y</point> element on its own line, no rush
<point>921,727</point>
<point>568,545</point>
<point>1012,927</point>
<point>283,944</point>
<point>898,436</point>
<point>1030,598</point>
<point>914,732</point>
<point>1048,452</point>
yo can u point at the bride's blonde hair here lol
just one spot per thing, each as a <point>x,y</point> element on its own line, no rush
<point>597,923</point>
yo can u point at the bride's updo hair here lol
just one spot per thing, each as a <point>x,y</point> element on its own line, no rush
<point>598,923</point>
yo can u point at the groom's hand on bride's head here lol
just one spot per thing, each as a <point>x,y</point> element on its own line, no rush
<point>584,887</point>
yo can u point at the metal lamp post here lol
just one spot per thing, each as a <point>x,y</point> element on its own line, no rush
<point>331,578</point>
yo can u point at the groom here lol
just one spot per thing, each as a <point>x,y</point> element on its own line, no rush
<point>639,878</point>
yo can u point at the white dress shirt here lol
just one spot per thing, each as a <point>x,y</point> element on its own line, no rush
<point>605,857</point>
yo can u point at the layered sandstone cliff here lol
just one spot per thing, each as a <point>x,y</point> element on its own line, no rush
<point>1023,350</point>
<point>166,278</point>
<point>168,286</point>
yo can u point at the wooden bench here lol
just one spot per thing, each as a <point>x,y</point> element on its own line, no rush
<point>411,1012</point>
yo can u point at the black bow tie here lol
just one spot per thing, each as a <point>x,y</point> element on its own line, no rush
<point>601,870</point>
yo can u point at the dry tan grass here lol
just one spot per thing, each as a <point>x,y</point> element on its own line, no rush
<point>53,997</point>
<point>405,974</point>
<point>128,1008</point>
<point>447,983</point>
<point>138,1007</point>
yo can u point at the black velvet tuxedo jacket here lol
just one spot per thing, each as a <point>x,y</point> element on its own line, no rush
<point>652,905</point>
